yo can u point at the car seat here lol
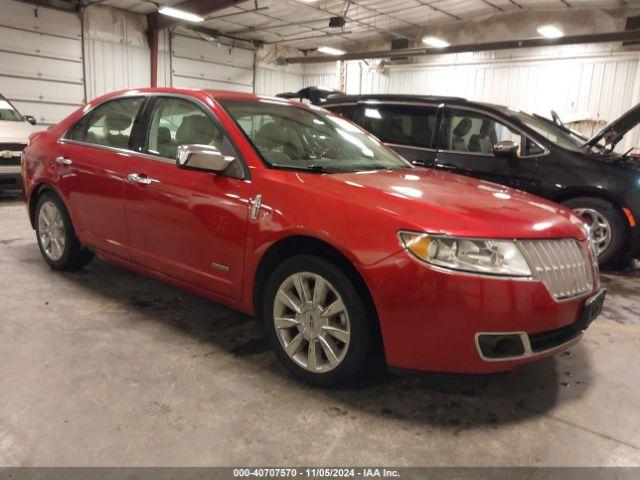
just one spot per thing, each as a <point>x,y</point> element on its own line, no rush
<point>278,143</point>
<point>117,122</point>
<point>482,141</point>
<point>458,143</point>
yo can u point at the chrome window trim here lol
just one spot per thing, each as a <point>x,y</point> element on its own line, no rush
<point>413,147</point>
<point>528,352</point>
<point>125,151</point>
<point>501,120</point>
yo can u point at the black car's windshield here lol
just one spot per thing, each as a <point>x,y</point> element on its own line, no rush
<point>7,112</point>
<point>288,136</point>
<point>562,137</point>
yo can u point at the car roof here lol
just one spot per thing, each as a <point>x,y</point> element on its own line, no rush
<point>216,94</point>
<point>343,98</point>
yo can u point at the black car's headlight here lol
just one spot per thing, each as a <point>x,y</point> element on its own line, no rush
<point>483,256</point>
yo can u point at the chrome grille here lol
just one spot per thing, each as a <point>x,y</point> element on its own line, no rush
<point>562,265</point>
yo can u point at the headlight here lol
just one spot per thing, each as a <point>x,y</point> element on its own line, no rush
<point>490,257</point>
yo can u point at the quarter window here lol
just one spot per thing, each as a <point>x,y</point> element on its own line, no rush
<point>477,133</point>
<point>109,124</point>
<point>176,122</point>
<point>400,124</point>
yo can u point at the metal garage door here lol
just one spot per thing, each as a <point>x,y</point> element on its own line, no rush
<point>200,64</point>
<point>41,60</point>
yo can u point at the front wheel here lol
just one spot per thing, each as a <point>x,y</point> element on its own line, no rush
<point>606,226</point>
<point>316,321</point>
<point>57,240</point>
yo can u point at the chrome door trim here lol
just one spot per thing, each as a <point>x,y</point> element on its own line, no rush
<point>413,147</point>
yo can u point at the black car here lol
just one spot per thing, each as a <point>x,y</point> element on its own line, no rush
<point>523,151</point>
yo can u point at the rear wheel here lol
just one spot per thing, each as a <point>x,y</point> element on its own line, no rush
<point>606,226</point>
<point>57,240</point>
<point>316,321</point>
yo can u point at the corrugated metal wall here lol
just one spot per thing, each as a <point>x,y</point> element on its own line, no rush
<point>574,82</point>
<point>199,63</point>
<point>40,60</point>
<point>274,80</point>
<point>116,50</point>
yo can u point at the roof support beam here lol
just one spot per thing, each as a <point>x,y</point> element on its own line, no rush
<point>625,36</point>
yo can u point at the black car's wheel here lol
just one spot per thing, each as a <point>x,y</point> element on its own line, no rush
<point>57,239</point>
<point>316,321</point>
<point>605,223</point>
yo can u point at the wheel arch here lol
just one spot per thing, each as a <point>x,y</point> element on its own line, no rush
<point>33,199</point>
<point>293,245</point>
<point>601,194</point>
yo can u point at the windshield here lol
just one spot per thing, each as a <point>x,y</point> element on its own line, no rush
<point>562,137</point>
<point>288,136</point>
<point>8,113</point>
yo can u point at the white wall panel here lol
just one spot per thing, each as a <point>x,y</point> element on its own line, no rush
<point>116,52</point>
<point>199,63</point>
<point>41,60</point>
<point>271,81</point>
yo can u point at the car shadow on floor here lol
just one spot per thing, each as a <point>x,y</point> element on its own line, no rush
<point>452,402</point>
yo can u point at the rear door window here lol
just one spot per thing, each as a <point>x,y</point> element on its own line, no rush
<point>411,125</point>
<point>109,124</point>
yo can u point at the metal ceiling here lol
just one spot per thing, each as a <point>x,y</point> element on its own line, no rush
<point>304,24</point>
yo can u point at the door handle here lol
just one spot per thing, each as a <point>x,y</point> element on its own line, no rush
<point>140,178</point>
<point>63,161</point>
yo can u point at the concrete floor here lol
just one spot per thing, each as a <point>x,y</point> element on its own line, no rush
<point>106,367</point>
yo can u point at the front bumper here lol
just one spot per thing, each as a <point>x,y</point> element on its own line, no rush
<point>431,320</point>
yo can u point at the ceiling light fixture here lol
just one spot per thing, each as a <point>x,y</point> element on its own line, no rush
<point>181,14</point>
<point>435,42</point>
<point>550,31</point>
<point>331,50</point>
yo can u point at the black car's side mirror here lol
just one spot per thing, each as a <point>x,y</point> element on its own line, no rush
<point>203,157</point>
<point>508,151</point>
<point>31,119</point>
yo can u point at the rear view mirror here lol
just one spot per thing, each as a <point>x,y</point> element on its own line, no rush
<point>203,157</point>
<point>506,150</point>
<point>31,119</point>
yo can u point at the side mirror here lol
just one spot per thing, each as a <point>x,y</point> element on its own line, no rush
<point>203,157</point>
<point>31,119</point>
<point>508,151</point>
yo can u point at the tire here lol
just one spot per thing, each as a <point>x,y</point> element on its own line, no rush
<point>56,237</point>
<point>337,362</point>
<point>590,209</point>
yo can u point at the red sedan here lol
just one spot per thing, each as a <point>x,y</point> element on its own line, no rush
<point>347,252</point>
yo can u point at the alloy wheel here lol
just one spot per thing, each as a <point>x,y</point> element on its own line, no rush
<point>311,322</point>
<point>51,231</point>
<point>599,227</point>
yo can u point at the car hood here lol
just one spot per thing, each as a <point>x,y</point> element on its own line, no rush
<point>614,131</point>
<point>16,132</point>
<point>445,203</point>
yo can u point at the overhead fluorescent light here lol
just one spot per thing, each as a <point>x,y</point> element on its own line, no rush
<point>331,50</point>
<point>435,42</point>
<point>181,14</point>
<point>550,31</point>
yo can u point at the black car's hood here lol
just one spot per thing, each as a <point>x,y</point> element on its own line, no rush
<point>617,129</point>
